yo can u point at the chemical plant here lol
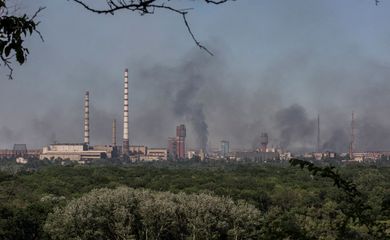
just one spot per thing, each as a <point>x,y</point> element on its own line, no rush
<point>176,149</point>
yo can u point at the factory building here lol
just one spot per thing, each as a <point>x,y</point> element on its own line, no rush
<point>369,156</point>
<point>138,150</point>
<point>177,145</point>
<point>225,148</point>
<point>20,150</point>
<point>257,156</point>
<point>80,151</point>
<point>143,153</point>
<point>157,154</point>
<point>110,151</point>
<point>71,151</point>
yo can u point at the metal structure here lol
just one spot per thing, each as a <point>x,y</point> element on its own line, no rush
<point>172,147</point>
<point>114,132</point>
<point>318,134</point>
<point>352,144</point>
<point>225,148</point>
<point>86,118</point>
<point>125,147</point>
<point>263,142</point>
<point>180,141</point>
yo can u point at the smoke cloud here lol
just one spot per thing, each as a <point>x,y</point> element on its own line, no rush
<point>279,66</point>
<point>296,130</point>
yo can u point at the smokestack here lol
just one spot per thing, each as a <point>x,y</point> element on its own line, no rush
<point>318,134</point>
<point>352,144</point>
<point>114,133</point>
<point>180,141</point>
<point>263,142</point>
<point>86,118</point>
<point>125,147</point>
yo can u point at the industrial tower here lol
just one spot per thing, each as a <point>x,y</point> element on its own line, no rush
<point>114,132</point>
<point>86,118</point>
<point>318,134</point>
<point>125,147</point>
<point>352,144</point>
<point>180,141</point>
<point>263,142</point>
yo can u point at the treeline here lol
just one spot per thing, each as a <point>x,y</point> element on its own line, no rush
<point>289,203</point>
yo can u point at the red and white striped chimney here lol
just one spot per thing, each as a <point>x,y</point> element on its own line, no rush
<point>86,118</point>
<point>125,147</point>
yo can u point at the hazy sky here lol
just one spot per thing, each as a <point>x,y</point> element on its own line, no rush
<point>277,65</point>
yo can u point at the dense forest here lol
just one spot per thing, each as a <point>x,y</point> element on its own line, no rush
<point>193,200</point>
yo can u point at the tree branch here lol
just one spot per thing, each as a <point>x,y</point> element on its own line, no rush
<point>14,30</point>
<point>148,7</point>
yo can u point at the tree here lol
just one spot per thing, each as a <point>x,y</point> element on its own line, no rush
<point>125,213</point>
<point>354,206</point>
<point>13,31</point>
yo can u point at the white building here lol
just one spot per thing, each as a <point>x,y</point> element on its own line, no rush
<point>70,151</point>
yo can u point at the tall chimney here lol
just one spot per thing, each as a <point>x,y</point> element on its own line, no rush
<point>318,134</point>
<point>114,132</point>
<point>86,118</point>
<point>263,142</point>
<point>352,144</point>
<point>125,147</point>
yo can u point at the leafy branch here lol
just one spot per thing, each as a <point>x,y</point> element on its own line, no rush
<point>148,7</point>
<point>13,31</point>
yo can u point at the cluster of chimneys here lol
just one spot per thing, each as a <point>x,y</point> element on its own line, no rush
<point>125,148</point>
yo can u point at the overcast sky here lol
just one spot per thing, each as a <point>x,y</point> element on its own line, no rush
<point>277,65</point>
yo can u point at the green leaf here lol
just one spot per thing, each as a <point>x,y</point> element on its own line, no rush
<point>7,50</point>
<point>20,56</point>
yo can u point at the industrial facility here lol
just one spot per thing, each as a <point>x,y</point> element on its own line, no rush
<point>125,146</point>
<point>177,145</point>
<point>71,151</point>
<point>225,148</point>
<point>84,151</point>
<point>81,152</point>
<point>20,150</point>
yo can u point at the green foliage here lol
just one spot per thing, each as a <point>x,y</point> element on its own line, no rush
<point>13,31</point>
<point>23,224</point>
<point>356,210</point>
<point>293,203</point>
<point>125,213</point>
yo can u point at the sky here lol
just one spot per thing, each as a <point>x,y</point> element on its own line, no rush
<point>277,64</point>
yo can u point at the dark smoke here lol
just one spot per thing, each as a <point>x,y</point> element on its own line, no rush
<point>371,135</point>
<point>338,141</point>
<point>217,102</point>
<point>179,92</point>
<point>186,103</point>
<point>8,134</point>
<point>44,130</point>
<point>296,129</point>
